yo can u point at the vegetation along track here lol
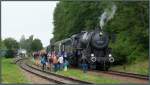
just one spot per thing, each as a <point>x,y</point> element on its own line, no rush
<point>49,76</point>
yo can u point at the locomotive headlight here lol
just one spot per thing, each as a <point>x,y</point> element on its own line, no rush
<point>92,55</point>
<point>111,59</point>
<point>100,33</point>
<point>110,55</point>
<point>93,59</point>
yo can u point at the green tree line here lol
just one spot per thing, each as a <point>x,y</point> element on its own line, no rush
<point>130,25</point>
<point>10,45</point>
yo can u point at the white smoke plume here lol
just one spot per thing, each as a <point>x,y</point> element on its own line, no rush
<point>107,15</point>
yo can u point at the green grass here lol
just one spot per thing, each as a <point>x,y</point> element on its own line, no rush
<point>11,73</point>
<point>74,73</point>
<point>138,67</point>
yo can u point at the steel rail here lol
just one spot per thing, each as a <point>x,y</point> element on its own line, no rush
<point>60,76</point>
<point>49,76</point>
<point>126,74</point>
<point>24,67</point>
<point>123,74</point>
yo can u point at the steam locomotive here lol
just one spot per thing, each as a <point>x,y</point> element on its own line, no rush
<point>92,45</point>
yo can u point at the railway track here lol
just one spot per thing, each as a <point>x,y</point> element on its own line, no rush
<point>58,79</point>
<point>66,80</point>
<point>125,74</point>
<point>122,74</point>
<point>136,77</point>
<point>26,68</point>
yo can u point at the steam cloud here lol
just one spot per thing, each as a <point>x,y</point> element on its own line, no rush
<point>107,15</point>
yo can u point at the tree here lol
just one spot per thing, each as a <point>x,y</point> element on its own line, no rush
<point>2,45</point>
<point>28,43</point>
<point>130,24</point>
<point>11,44</point>
<point>36,45</point>
<point>2,49</point>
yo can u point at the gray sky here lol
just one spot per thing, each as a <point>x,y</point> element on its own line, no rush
<point>27,18</point>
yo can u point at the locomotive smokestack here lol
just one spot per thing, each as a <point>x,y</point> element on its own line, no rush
<point>107,15</point>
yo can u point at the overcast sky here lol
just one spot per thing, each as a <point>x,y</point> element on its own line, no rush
<point>28,18</point>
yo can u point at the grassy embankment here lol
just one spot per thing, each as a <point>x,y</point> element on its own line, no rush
<point>11,73</point>
<point>78,74</point>
<point>88,77</point>
<point>139,67</point>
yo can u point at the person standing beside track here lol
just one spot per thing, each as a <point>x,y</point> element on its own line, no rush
<point>46,59</point>
<point>61,62</point>
<point>66,63</point>
<point>49,60</point>
<point>35,57</point>
<point>84,64</point>
<point>54,61</point>
<point>43,60</point>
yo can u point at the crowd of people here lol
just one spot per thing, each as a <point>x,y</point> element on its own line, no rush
<point>52,61</point>
<point>55,61</point>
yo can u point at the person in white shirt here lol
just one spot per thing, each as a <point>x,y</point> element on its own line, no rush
<point>61,62</point>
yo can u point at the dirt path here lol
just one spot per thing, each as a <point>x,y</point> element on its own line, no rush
<point>34,79</point>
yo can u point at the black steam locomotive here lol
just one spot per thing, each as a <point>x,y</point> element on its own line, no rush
<point>92,45</point>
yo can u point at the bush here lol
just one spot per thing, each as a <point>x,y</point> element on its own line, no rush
<point>10,54</point>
